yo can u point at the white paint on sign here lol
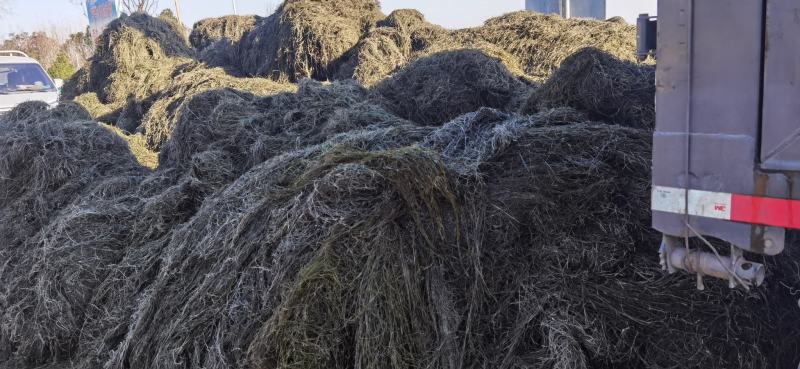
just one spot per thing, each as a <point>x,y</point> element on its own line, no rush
<point>706,204</point>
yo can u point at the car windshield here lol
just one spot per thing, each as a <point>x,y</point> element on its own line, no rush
<point>24,78</point>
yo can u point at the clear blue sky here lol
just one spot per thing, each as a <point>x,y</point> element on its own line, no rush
<point>31,15</point>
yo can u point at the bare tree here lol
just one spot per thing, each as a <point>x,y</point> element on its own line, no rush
<point>39,45</point>
<point>78,48</point>
<point>132,6</point>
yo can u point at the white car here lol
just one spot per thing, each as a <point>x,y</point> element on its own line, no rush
<point>23,79</point>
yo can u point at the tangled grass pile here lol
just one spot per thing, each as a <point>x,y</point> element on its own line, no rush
<point>252,129</point>
<point>305,39</point>
<point>140,59</point>
<point>439,87</point>
<point>164,114</point>
<point>135,56</point>
<point>231,27</point>
<point>531,45</point>
<point>541,42</point>
<point>397,40</point>
<point>405,36</point>
<point>496,239</point>
<point>215,39</point>
<point>605,88</point>
<point>441,211</point>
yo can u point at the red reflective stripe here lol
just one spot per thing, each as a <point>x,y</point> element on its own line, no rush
<point>765,211</point>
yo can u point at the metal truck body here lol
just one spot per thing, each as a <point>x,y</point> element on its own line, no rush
<point>726,155</point>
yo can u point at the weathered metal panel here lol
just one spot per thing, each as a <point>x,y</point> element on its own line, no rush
<point>708,107</point>
<point>588,9</point>
<point>544,6</point>
<point>780,146</point>
<point>577,8</point>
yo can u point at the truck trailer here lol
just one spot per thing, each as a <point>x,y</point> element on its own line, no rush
<point>726,150</point>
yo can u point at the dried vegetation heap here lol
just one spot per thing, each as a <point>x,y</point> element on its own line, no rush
<point>136,57</point>
<point>215,39</point>
<point>49,161</point>
<point>373,246</point>
<point>99,111</point>
<point>323,40</point>
<point>405,36</point>
<point>418,222</point>
<point>604,87</point>
<point>306,39</point>
<point>232,27</point>
<point>531,45</point>
<point>439,87</point>
<point>164,114</point>
<point>541,42</point>
<point>395,42</point>
<point>252,129</point>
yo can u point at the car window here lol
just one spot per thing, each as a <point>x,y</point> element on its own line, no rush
<point>24,77</point>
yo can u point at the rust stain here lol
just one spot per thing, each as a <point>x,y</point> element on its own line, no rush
<point>761,185</point>
<point>758,232</point>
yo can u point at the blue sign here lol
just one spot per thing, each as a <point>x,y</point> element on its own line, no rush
<point>101,13</point>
